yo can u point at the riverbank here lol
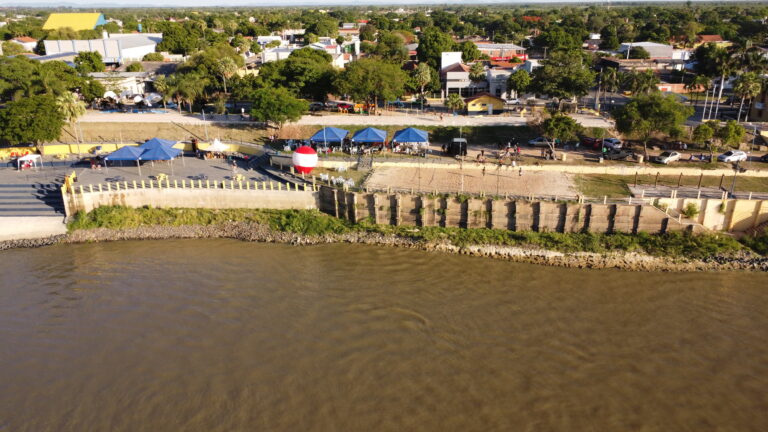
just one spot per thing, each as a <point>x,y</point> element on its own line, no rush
<point>641,252</point>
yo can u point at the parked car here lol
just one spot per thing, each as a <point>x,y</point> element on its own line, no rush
<point>345,106</point>
<point>612,143</point>
<point>457,147</point>
<point>542,142</point>
<point>513,101</point>
<point>764,158</point>
<point>667,157</point>
<point>316,106</point>
<point>618,154</point>
<point>591,142</point>
<point>732,156</point>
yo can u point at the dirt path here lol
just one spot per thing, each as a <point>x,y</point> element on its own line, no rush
<point>506,181</point>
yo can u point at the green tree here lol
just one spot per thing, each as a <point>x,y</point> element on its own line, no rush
<point>277,106</point>
<point>33,119</point>
<point>469,51</point>
<point>155,56</point>
<point>731,133</point>
<point>518,82</point>
<point>559,127</point>
<point>639,53</point>
<point>368,33</point>
<point>454,102</point>
<point>91,90</point>
<point>89,61</point>
<point>307,76</point>
<point>316,55</point>
<point>12,48</point>
<point>226,68</point>
<point>646,115</point>
<point>370,80</point>
<point>477,72</point>
<point>642,82</point>
<point>432,44</point>
<point>423,76</point>
<point>748,85</point>
<point>70,106</point>
<point>703,134</point>
<point>135,67</point>
<point>564,75</point>
<point>163,87</point>
<point>391,48</point>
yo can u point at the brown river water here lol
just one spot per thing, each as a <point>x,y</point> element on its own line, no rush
<point>221,335</point>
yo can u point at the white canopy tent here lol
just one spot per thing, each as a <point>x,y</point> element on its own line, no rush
<point>34,159</point>
<point>217,146</point>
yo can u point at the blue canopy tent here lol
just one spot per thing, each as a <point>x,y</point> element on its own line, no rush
<point>125,153</point>
<point>414,140</point>
<point>161,152</point>
<point>158,142</point>
<point>411,135</point>
<point>329,135</point>
<point>370,135</point>
<point>128,153</point>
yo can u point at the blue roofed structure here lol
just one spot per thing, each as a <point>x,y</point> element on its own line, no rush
<point>128,153</point>
<point>370,135</point>
<point>411,135</point>
<point>330,135</point>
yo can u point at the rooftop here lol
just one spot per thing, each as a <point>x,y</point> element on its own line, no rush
<point>76,21</point>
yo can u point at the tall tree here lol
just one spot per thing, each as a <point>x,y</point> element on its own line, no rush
<point>703,134</point>
<point>477,72</point>
<point>518,82</point>
<point>564,75</point>
<point>370,80</point>
<point>432,43</point>
<point>646,115</point>
<point>277,105</point>
<point>559,127</point>
<point>89,61</point>
<point>748,86</point>
<point>226,68</point>
<point>641,82</point>
<point>70,106</point>
<point>33,119</point>
<point>423,76</point>
<point>454,102</point>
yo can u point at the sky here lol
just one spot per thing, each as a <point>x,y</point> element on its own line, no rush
<point>208,3</point>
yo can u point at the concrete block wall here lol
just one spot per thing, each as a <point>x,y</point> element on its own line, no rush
<point>452,211</point>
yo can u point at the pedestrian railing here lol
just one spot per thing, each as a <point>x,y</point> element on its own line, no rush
<point>125,185</point>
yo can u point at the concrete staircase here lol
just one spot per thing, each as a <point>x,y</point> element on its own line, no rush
<point>30,200</point>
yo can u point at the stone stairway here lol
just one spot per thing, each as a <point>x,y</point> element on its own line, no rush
<point>25,200</point>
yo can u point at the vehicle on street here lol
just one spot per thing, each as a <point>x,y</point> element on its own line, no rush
<point>764,158</point>
<point>612,143</point>
<point>316,106</point>
<point>345,106</point>
<point>667,157</point>
<point>542,142</point>
<point>457,147</point>
<point>618,154</point>
<point>732,156</point>
<point>513,101</point>
<point>591,142</point>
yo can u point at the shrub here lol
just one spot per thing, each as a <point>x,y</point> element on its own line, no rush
<point>691,210</point>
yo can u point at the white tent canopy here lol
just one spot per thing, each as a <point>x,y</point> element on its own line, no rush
<point>35,159</point>
<point>217,146</point>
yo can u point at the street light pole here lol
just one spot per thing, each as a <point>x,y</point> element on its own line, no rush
<point>735,171</point>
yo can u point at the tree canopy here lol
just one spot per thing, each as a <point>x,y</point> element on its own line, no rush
<point>371,80</point>
<point>646,115</point>
<point>277,106</point>
<point>565,74</point>
<point>32,119</point>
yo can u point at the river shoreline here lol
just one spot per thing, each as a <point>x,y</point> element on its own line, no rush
<point>257,232</point>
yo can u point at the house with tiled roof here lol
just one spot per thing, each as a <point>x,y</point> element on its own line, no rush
<point>484,103</point>
<point>75,21</point>
<point>29,43</point>
<point>715,39</point>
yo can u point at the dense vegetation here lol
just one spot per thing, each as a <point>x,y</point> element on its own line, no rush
<point>315,223</point>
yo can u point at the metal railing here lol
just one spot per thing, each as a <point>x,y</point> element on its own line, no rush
<point>164,183</point>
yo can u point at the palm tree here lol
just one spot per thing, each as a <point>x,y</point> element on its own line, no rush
<point>640,82</point>
<point>162,86</point>
<point>477,72</point>
<point>423,76</point>
<point>747,85</point>
<point>191,87</point>
<point>454,102</point>
<point>611,79</point>
<point>724,64</point>
<point>226,68</point>
<point>70,106</point>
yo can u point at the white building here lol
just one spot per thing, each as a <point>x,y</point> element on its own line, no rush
<point>265,40</point>
<point>531,65</point>
<point>114,48</point>
<point>27,42</point>
<point>275,54</point>
<point>449,58</point>
<point>118,82</point>
<point>655,50</point>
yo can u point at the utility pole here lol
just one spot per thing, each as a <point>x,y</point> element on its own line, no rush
<point>597,95</point>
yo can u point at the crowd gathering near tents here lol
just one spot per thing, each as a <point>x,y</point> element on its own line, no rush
<point>409,140</point>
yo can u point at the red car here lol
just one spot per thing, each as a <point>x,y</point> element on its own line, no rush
<point>345,106</point>
<point>591,142</point>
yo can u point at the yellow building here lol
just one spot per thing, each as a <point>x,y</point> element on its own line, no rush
<point>484,103</point>
<point>75,21</point>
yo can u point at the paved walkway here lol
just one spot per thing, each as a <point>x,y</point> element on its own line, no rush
<point>647,191</point>
<point>329,119</point>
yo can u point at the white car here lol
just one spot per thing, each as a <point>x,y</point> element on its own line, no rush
<point>541,142</point>
<point>612,143</point>
<point>732,156</point>
<point>667,157</point>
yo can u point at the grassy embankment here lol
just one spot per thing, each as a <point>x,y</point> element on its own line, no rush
<point>597,185</point>
<point>315,223</point>
<point>249,132</point>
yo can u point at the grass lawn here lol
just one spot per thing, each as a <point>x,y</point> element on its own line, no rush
<point>618,186</point>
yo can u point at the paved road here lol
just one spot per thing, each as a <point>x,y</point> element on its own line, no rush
<point>396,119</point>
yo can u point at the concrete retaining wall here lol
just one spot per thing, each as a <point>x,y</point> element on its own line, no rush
<point>518,215</point>
<point>733,215</point>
